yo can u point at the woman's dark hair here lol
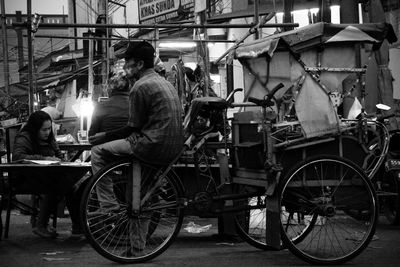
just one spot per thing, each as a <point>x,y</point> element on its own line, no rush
<point>33,125</point>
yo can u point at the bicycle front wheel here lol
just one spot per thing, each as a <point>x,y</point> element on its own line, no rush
<point>111,228</point>
<point>340,196</point>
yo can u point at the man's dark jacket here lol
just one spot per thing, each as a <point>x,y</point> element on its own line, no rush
<point>110,114</point>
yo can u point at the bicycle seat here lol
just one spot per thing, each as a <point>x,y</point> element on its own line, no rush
<point>212,102</point>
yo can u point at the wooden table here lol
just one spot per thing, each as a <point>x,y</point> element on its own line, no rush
<point>77,148</point>
<point>61,167</point>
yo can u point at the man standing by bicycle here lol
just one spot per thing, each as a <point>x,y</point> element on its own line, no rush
<point>154,132</point>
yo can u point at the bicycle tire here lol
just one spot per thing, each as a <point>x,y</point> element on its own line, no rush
<point>118,235</point>
<point>391,204</point>
<point>342,196</point>
<point>251,221</point>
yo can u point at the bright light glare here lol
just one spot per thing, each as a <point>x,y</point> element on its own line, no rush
<point>300,17</point>
<point>178,45</point>
<point>191,65</point>
<point>335,14</point>
<point>86,107</point>
<point>216,78</point>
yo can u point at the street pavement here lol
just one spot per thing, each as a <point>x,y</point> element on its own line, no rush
<point>22,248</point>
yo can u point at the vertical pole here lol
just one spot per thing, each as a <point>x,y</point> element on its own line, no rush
<point>90,66</point>
<point>256,19</point>
<point>202,48</point>
<point>5,48</point>
<point>325,11</point>
<point>30,56</point>
<point>136,186</point>
<point>155,42</point>
<point>206,58</point>
<point>107,48</point>
<point>349,14</point>
<point>75,21</point>
<point>229,77</point>
<point>20,43</point>
<point>104,74</point>
<point>287,9</point>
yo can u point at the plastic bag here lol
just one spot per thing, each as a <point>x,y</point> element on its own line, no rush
<point>193,228</point>
<point>65,139</point>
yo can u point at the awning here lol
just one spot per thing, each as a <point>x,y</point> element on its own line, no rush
<point>67,77</point>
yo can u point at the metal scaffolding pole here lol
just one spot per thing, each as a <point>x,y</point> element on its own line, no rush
<point>30,56</point>
<point>5,49</point>
<point>129,39</point>
<point>154,26</point>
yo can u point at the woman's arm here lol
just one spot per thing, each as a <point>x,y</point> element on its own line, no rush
<point>23,149</point>
<point>57,150</point>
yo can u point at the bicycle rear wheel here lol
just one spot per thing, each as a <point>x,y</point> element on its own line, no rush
<point>337,192</point>
<point>109,225</point>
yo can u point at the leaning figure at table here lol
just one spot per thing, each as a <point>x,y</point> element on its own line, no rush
<point>154,131</point>
<point>109,115</point>
<point>35,141</point>
<point>112,113</point>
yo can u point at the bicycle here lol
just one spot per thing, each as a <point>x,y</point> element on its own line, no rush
<point>315,196</point>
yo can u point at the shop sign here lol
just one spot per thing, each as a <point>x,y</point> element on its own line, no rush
<point>156,11</point>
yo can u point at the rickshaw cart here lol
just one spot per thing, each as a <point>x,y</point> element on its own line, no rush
<point>323,206</point>
<point>319,67</point>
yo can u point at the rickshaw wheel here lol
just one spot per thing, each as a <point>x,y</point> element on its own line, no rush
<point>391,203</point>
<point>339,193</point>
<point>117,234</point>
<point>251,222</point>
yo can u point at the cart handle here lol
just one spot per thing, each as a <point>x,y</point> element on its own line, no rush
<point>266,102</point>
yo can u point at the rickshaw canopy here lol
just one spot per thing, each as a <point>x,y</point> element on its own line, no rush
<point>314,63</point>
<point>317,35</point>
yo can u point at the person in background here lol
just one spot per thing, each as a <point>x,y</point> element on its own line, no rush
<point>109,115</point>
<point>54,113</point>
<point>36,141</point>
<point>112,113</point>
<point>159,67</point>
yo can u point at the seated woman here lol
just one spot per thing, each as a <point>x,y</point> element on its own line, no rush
<point>36,141</point>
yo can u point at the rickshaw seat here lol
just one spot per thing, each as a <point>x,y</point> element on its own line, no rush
<point>205,115</point>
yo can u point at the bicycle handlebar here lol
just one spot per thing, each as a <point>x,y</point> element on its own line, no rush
<point>266,102</point>
<point>377,117</point>
<point>382,117</point>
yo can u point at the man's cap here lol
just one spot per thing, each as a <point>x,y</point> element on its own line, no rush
<point>139,50</point>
